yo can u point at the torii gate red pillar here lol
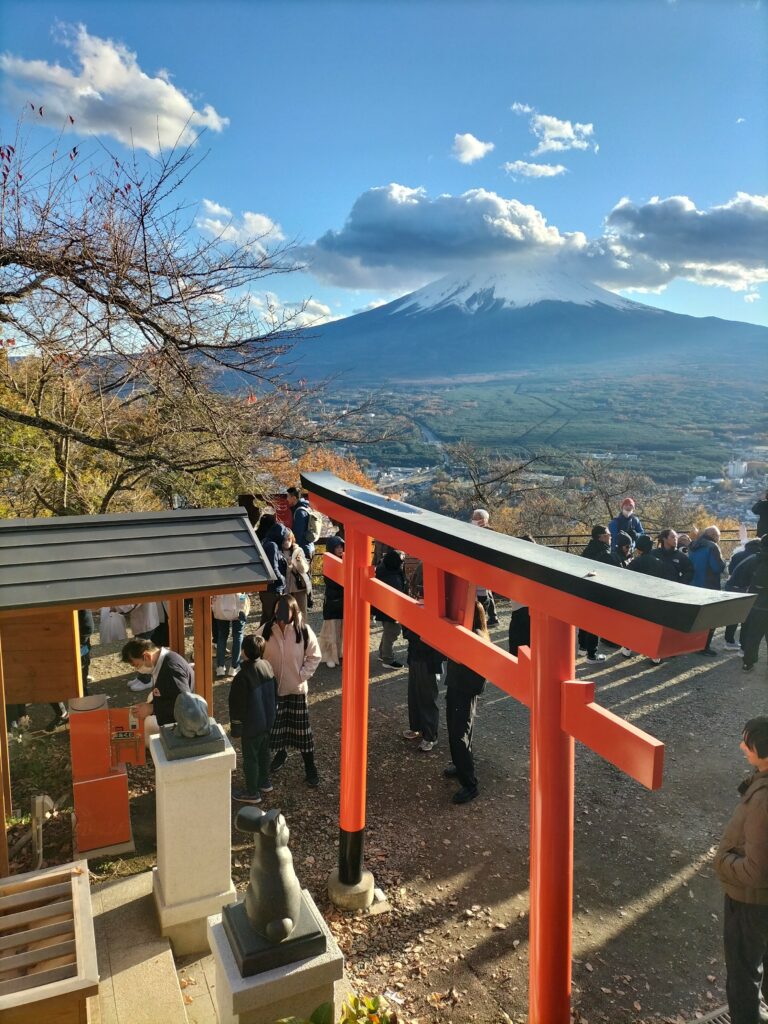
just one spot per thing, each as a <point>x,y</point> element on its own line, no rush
<point>656,617</point>
<point>552,814</point>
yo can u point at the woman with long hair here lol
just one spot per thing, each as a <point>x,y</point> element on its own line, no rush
<point>294,653</point>
<point>463,687</point>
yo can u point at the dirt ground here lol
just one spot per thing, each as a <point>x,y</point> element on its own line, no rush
<point>454,945</point>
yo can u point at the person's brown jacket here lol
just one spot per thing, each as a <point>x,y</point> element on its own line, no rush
<point>741,861</point>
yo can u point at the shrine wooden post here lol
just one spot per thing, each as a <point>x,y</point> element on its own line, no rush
<point>655,617</point>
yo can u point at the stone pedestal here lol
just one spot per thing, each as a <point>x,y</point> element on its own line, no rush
<point>193,877</point>
<point>292,990</point>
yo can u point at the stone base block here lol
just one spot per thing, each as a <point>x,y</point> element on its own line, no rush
<point>185,925</point>
<point>351,897</point>
<point>255,954</point>
<point>292,990</point>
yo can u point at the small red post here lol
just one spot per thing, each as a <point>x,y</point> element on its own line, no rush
<point>354,707</point>
<point>552,780</point>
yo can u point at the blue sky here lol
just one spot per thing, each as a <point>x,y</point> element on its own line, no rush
<point>399,141</point>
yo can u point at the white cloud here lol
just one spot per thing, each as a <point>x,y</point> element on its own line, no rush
<point>647,246</point>
<point>397,238</point>
<point>107,93</point>
<point>251,229</point>
<point>467,149</point>
<point>309,313</point>
<point>519,168</point>
<point>554,134</point>
<point>740,120</point>
<point>372,305</point>
<point>752,297</point>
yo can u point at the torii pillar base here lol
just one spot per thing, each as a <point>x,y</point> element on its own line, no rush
<point>351,897</point>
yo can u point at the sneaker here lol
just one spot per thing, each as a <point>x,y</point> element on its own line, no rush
<point>56,721</point>
<point>625,652</point>
<point>732,645</point>
<point>331,664</point>
<point>427,745</point>
<point>267,787</point>
<point>709,652</point>
<point>221,672</point>
<point>747,667</point>
<point>595,657</point>
<point>243,797</point>
<point>450,771</point>
<point>465,794</point>
<point>137,685</point>
<point>411,734</point>
<point>89,680</point>
<point>278,761</point>
<point>655,661</point>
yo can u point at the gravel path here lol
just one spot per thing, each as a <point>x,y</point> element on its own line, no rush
<point>453,946</point>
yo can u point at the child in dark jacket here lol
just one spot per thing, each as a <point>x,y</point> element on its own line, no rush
<point>252,710</point>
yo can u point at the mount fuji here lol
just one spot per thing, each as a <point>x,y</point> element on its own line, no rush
<point>501,320</point>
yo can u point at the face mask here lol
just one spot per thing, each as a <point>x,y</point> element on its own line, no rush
<point>286,545</point>
<point>627,512</point>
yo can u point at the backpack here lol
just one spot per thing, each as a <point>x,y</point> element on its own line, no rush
<point>314,526</point>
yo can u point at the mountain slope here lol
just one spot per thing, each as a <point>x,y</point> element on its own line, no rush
<point>494,321</point>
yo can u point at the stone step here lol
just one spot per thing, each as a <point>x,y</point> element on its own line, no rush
<point>138,981</point>
<point>197,979</point>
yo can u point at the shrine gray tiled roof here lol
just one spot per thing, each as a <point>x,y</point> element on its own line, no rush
<point>87,560</point>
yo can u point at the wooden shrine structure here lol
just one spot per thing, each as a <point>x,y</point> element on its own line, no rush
<point>654,617</point>
<point>50,568</point>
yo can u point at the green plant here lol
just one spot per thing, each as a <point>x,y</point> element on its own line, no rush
<point>369,1010</point>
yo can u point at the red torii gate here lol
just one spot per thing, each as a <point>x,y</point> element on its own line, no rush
<point>652,616</point>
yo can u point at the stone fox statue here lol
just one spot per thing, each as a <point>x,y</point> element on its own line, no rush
<point>273,896</point>
<point>191,714</point>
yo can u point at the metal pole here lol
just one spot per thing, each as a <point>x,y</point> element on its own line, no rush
<point>354,708</point>
<point>552,778</point>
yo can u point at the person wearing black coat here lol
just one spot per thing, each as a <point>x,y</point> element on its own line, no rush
<point>171,675</point>
<point>599,550</point>
<point>648,564</point>
<point>754,571</point>
<point>252,712</point>
<point>463,687</point>
<point>760,509</point>
<point>676,565</point>
<point>331,636</point>
<point>425,665</point>
<point>390,570</point>
<point>273,542</point>
<point>734,583</point>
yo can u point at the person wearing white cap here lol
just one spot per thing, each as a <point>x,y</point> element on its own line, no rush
<point>481,517</point>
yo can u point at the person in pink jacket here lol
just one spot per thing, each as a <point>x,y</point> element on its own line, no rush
<point>293,652</point>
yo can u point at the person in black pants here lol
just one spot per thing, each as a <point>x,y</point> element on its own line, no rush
<point>755,628</point>
<point>463,687</point>
<point>741,864</point>
<point>598,549</point>
<point>520,620</point>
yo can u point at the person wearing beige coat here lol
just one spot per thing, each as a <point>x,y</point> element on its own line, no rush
<point>741,863</point>
<point>293,652</point>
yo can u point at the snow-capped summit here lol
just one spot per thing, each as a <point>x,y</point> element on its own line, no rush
<point>511,317</point>
<point>511,286</point>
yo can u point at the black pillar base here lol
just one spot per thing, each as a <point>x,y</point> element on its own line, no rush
<point>351,845</point>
